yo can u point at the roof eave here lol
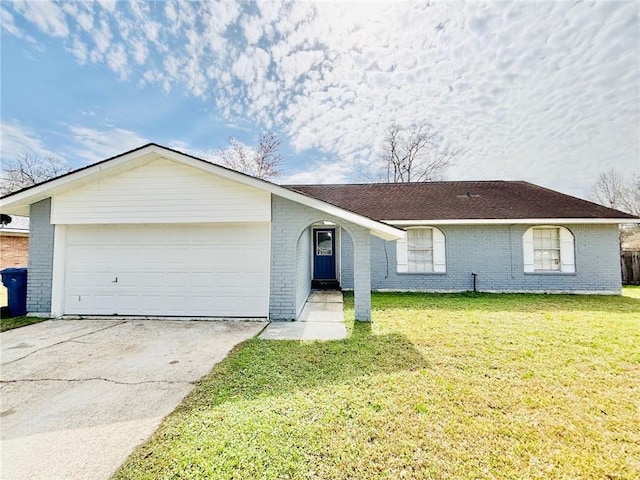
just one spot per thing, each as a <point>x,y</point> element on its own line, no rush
<point>510,221</point>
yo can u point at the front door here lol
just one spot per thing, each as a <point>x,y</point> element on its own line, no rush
<point>324,254</point>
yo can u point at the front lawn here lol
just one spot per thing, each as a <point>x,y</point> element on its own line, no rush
<point>439,386</point>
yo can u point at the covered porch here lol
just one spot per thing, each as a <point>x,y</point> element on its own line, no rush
<point>306,252</point>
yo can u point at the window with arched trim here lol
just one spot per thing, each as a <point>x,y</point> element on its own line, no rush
<point>423,251</point>
<point>548,249</point>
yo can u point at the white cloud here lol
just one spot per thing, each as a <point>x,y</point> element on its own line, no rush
<point>140,52</point>
<point>7,24</point>
<point>546,91</point>
<point>117,61</point>
<point>79,50</point>
<point>92,145</point>
<point>321,171</point>
<point>108,5</point>
<point>102,38</point>
<point>48,16</point>
<point>16,139</point>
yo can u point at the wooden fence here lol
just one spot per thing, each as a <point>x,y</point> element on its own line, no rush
<point>630,267</point>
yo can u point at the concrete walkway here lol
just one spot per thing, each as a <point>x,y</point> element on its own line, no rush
<point>322,318</point>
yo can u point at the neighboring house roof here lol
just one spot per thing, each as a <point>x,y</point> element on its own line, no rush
<point>18,225</point>
<point>455,201</point>
<point>18,203</point>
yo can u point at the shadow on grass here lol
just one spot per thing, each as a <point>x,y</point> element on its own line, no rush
<point>494,302</point>
<point>275,367</point>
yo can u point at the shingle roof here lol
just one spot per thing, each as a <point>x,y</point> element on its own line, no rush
<point>476,200</point>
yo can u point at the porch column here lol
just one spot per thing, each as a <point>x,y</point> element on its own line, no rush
<point>362,274</point>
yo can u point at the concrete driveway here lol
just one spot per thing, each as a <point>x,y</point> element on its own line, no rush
<point>76,396</point>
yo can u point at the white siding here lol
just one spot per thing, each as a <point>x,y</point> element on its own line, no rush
<point>162,191</point>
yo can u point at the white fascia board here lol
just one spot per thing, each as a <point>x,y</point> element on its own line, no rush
<point>514,221</point>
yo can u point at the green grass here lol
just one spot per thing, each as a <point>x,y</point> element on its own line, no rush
<point>17,322</point>
<point>438,387</point>
<point>631,291</point>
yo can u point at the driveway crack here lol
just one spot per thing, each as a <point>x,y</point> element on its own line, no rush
<point>65,341</point>
<point>101,379</point>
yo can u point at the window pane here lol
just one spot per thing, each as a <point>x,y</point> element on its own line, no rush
<point>546,259</point>
<point>546,249</point>
<point>419,238</point>
<point>420,261</point>
<point>546,238</point>
<point>420,250</point>
<point>324,246</point>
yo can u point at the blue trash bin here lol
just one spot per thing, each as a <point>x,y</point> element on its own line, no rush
<point>15,279</point>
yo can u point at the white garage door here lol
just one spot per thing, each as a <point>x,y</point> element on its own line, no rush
<point>187,270</point>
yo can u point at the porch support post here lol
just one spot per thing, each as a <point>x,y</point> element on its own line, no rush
<point>362,274</point>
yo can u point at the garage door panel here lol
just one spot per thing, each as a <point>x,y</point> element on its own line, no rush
<point>252,280</point>
<point>216,270</point>
<point>100,303</point>
<point>203,280</point>
<point>79,279</point>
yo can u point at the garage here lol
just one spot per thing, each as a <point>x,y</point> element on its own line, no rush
<point>202,270</point>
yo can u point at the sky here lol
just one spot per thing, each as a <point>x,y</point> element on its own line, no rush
<point>547,92</point>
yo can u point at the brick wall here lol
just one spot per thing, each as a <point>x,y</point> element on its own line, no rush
<point>40,258</point>
<point>14,251</point>
<point>494,252</point>
<point>303,269</point>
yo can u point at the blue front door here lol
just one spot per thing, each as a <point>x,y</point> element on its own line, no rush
<point>324,254</point>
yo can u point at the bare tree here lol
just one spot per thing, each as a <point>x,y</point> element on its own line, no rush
<point>417,155</point>
<point>28,169</point>
<point>632,201</point>
<point>614,190</point>
<point>262,162</point>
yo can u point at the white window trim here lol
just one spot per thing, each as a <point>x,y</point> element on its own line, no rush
<point>439,253</point>
<point>567,251</point>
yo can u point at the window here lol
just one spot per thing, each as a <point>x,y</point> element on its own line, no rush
<point>423,251</point>
<point>420,250</point>
<point>324,245</point>
<point>548,249</point>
